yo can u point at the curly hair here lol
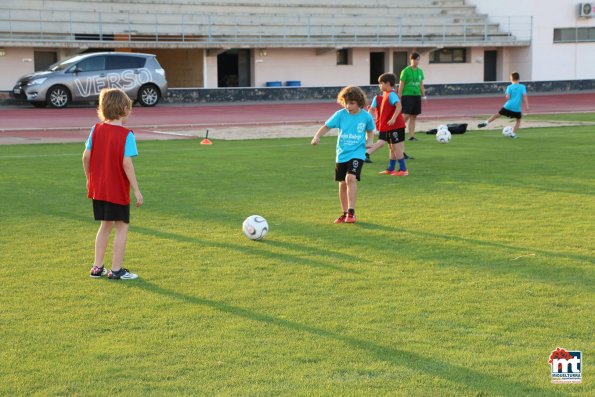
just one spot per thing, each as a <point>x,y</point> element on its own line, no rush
<point>352,93</point>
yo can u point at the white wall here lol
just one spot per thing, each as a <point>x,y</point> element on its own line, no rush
<point>312,70</point>
<point>548,60</point>
<point>441,73</point>
<point>16,63</point>
<point>210,72</point>
<point>516,59</point>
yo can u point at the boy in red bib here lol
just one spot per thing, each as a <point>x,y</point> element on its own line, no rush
<point>390,125</point>
<point>107,161</point>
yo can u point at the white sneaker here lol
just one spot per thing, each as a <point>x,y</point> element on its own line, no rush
<point>122,274</point>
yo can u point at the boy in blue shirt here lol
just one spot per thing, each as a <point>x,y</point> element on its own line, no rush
<point>516,94</point>
<point>356,129</point>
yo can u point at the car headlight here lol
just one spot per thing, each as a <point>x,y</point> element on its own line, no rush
<point>37,81</point>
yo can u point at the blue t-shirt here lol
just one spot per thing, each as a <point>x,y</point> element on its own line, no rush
<point>392,98</point>
<point>516,92</point>
<point>351,142</point>
<point>130,149</point>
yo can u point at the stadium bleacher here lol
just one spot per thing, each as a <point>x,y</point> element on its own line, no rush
<point>249,23</point>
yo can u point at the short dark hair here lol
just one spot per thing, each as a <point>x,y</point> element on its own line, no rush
<point>352,93</point>
<point>415,55</point>
<point>515,76</point>
<point>388,78</point>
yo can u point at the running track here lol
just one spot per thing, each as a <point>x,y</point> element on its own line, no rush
<point>72,124</point>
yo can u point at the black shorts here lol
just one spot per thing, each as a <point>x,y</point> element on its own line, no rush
<point>411,104</point>
<point>394,136</point>
<point>353,166</point>
<point>106,211</point>
<point>510,113</point>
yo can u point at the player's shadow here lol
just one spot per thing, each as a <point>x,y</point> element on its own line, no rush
<point>572,274</point>
<point>481,382</point>
<point>302,253</point>
<point>296,257</point>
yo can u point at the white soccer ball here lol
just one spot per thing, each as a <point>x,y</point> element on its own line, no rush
<point>255,227</point>
<point>443,136</point>
<point>508,132</point>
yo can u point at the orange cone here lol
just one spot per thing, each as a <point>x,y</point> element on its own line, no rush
<point>206,141</point>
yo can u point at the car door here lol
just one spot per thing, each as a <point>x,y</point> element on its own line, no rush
<point>89,77</point>
<point>126,72</point>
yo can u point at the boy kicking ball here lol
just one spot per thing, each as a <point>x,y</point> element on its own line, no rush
<point>356,128</point>
<point>516,94</point>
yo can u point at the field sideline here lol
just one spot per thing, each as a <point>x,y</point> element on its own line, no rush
<point>26,124</point>
<point>458,280</point>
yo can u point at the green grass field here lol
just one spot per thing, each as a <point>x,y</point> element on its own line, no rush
<point>458,280</point>
<point>576,117</point>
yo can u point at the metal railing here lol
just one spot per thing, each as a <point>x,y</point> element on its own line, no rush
<point>217,29</point>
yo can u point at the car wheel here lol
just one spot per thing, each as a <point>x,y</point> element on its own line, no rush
<point>148,95</point>
<point>58,97</point>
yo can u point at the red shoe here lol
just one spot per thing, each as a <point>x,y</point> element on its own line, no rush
<point>350,219</point>
<point>386,172</point>
<point>341,219</point>
<point>401,173</point>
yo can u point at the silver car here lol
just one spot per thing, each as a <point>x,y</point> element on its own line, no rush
<point>81,78</point>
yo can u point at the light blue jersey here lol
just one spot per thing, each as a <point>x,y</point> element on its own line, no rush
<point>130,149</point>
<point>392,98</point>
<point>516,92</point>
<point>351,142</point>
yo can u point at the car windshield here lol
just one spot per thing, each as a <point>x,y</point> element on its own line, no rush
<point>65,64</point>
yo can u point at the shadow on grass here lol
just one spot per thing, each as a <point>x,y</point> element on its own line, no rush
<point>291,258</point>
<point>424,365</point>
<point>573,275</point>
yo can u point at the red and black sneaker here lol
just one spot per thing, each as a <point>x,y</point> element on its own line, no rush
<point>350,218</point>
<point>341,219</point>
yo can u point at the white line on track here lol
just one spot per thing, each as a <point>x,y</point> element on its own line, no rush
<point>194,148</point>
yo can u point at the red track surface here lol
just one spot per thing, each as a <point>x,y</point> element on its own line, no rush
<point>53,125</point>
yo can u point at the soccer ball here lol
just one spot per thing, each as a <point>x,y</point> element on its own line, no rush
<point>508,132</point>
<point>443,136</point>
<point>255,227</point>
<point>442,127</point>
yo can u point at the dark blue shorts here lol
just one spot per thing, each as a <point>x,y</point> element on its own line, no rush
<point>106,211</point>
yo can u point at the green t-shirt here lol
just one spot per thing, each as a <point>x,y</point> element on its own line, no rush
<point>412,79</point>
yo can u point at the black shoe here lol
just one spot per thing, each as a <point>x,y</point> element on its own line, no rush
<point>406,157</point>
<point>482,124</point>
<point>97,271</point>
<point>413,138</point>
<point>368,159</point>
